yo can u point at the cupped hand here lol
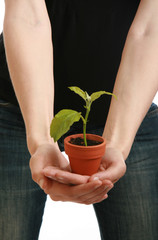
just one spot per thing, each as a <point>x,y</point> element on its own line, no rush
<point>112,167</point>
<point>67,186</point>
<point>49,156</point>
<point>51,170</point>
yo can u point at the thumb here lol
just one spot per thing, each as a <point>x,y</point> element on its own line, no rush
<point>45,184</point>
<point>113,173</point>
<point>41,183</point>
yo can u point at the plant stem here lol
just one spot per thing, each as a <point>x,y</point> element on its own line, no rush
<point>85,124</point>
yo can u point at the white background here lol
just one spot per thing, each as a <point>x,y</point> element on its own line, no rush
<point>66,221</point>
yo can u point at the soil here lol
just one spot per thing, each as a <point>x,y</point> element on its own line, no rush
<point>79,141</point>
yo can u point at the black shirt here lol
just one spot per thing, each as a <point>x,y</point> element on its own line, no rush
<point>88,38</point>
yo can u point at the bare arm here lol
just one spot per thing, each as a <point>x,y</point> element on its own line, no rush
<point>27,35</point>
<point>137,79</point>
<point>28,44</point>
<point>135,87</point>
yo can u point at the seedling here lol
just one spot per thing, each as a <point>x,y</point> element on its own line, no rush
<point>64,119</point>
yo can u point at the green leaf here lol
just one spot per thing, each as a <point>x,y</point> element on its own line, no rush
<point>97,95</point>
<point>79,91</point>
<point>62,122</point>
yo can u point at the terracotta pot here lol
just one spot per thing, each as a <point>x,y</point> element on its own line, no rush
<point>85,160</point>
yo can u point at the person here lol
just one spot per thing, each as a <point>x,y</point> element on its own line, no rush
<point>48,46</point>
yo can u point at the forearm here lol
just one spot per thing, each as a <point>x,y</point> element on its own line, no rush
<point>29,56</point>
<point>135,87</point>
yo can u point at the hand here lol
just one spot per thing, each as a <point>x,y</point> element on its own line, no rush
<point>112,167</point>
<point>45,155</point>
<point>61,188</point>
<point>51,170</point>
<point>48,156</point>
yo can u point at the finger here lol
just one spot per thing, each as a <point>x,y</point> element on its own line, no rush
<point>114,172</point>
<point>102,199</point>
<point>104,188</point>
<point>79,193</point>
<point>97,200</point>
<point>96,195</point>
<point>96,192</point>
<point>64,176</point>
<point>45,183</point>
<point>63,192</point>
<point>104,181</point>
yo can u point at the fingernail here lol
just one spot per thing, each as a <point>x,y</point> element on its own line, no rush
<point>49,177</point>
<point>96,178</point>
<point>97,186</point>
<point>60,178</point>
<point>41,182</point>
<point>106,196</point>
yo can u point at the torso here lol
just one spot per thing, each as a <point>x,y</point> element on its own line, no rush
<point>88,38</point>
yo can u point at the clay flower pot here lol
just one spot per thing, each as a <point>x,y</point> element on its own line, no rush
<point>85,160</point>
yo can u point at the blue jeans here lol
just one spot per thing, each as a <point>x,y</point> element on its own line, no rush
<point>21,200</point>
<point>130,212</point>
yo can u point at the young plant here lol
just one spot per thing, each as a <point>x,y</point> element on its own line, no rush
<point>63,120</point>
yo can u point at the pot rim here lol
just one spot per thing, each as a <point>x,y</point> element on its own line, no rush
<point>66,141</point>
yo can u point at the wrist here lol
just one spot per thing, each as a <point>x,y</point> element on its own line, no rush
<point>122,144</point>
<point>34,141</point>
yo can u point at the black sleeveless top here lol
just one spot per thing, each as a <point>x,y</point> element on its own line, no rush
<point>88,38</point>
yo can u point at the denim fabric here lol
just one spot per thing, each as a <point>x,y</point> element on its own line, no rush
<point>21,200</point>
<point>131,210</point>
